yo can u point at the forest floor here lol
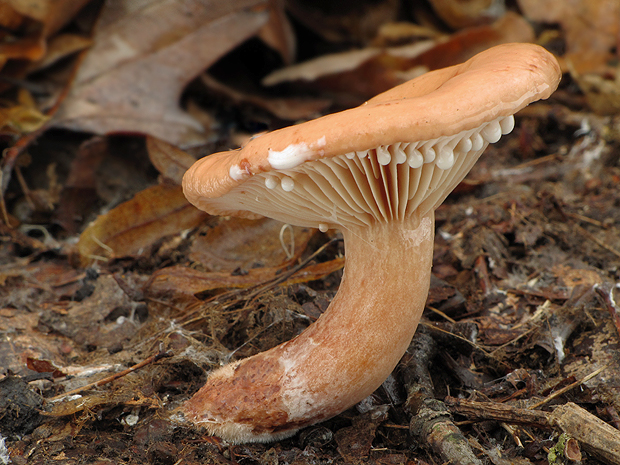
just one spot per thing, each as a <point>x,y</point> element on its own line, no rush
<point>117,297</point>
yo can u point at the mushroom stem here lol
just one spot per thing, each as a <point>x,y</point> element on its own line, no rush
<point>342,357</point>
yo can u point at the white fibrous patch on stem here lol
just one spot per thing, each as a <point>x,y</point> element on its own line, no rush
<point>300,403</point>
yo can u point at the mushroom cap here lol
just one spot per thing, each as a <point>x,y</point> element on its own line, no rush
<point>423,136</point>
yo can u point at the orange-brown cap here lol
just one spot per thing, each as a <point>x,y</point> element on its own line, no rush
<point>401,152</point>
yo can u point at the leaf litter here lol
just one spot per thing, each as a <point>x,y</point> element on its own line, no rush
<point>117,297</point>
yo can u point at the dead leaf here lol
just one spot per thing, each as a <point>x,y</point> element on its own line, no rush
<point>44,366</point>
<point>187,281</point>
<point>130,228</point>
<point>351,21</point>
<point>459,14</point>
<point>287,108</point>
<point>80,189</point>
<point>52,14</point>
<point>59,47</point>
<point>132,77</point>
<point>465,43</point>
<point>402,33</point>
<point>170,161</point>
<point>95,321</point>
<point>76,404</point>
<point>22,118</point>
<point>24,340</point>
<point>590,27</point>
<point>10,19</point>
<point>239,244</point>
<point>31,23</point>
<point>570,277</point>
<point>29,48</point>
<point>20,406</point>
<point>602,91</point>
<point>365,73</point>
<point>278,32</point>
<point>355,442</point>
<point>324,65</point>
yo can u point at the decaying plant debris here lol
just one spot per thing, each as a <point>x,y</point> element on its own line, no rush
<point>117,297</point>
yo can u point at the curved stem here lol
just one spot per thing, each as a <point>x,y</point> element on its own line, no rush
<point>342,357</point>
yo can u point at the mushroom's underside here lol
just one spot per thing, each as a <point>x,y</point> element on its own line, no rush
<point>360,188</point>
<point>383,199</point>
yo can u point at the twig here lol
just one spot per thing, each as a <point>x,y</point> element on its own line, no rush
<point>152,359</point>
<point>596,240</point>
<point>441,314</point>
<point>475,346</point>
<point>568,388</point>
<point>500,412</point>
<point>599,438</point>
<point>287,274</point>
<point>249,294</point>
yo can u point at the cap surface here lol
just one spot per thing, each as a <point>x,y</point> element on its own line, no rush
<point>402,151</point>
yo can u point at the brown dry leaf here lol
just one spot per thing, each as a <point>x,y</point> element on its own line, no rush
<point>131,227</point>
<point>187,281</point>
<point>75,404</point>
<point>240,253</point>
<point>52,14</point>
<point>170,161</point>
<point>22,118</point>
<point>44,366</point>
<point>591,28</point>
<point>278,32</point>
<point>367,72</point>
<point>291,108</point>
<point>239,244</point>
<point>400,33</point>
<point>10,19</point>
<point>59,47</point>
<point>79,192</point>
<point>602,91</point>
<point>93,400</point>
<point>464,44</point>
<point>28,48</point>
<point>88,323</point>
<point>55,278</point>
<point>570,277</point>
<point>344,20</point>
<point>326,65</point>
<point>459,14</point>
<point>144,54</point>
<point>24,340</point>
<point>317,271</point>
<point>183,280</point>
<point>355,442</point>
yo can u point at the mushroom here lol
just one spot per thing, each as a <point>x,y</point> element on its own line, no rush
<point>377,172</point>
